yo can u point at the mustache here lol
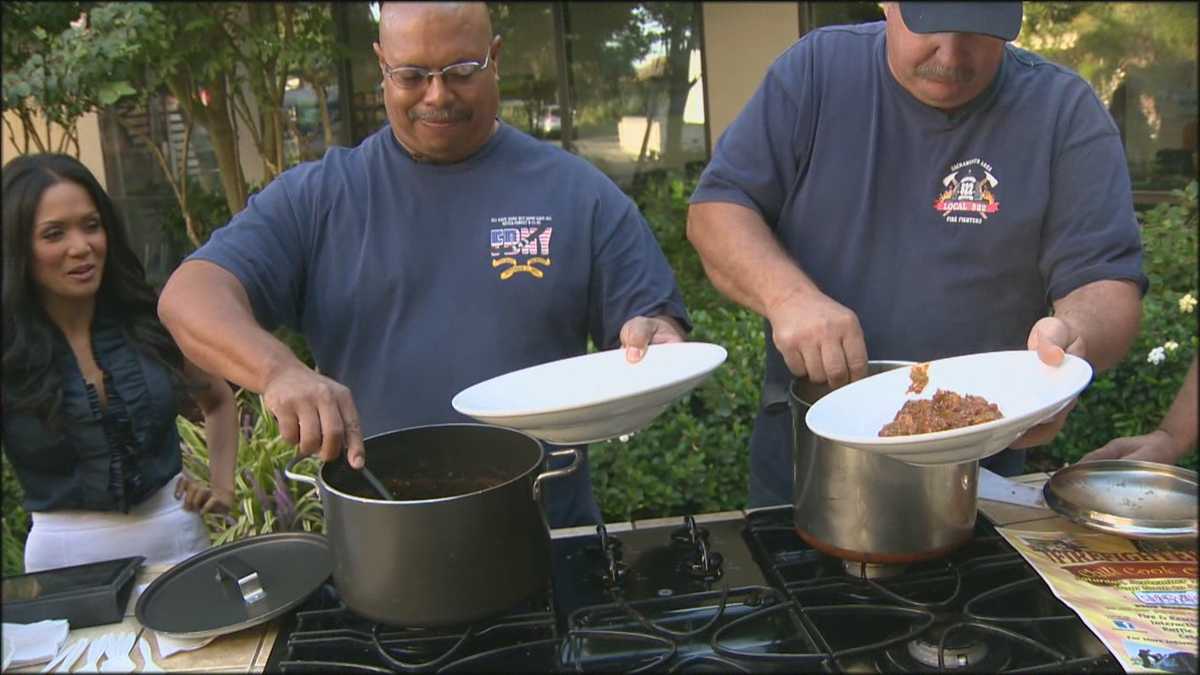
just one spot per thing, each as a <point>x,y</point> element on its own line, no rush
<point>446,115</point>
<point>938,73</point>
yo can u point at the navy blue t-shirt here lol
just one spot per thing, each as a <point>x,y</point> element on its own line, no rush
<point>946,233</point>
<point>413,281</point>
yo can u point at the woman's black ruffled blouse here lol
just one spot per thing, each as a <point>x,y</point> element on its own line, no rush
<point>103,459</point>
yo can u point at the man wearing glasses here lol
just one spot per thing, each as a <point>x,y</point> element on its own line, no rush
<point>447,248</point>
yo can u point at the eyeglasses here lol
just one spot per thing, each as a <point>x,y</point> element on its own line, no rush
<point>412,77</point>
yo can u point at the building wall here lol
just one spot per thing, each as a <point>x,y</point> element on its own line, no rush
<point>88,126</point>
<point>740,42</point>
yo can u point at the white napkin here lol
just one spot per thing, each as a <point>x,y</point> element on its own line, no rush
<point>170,645</point>
<point>34,642</point>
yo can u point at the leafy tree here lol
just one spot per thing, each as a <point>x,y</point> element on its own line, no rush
<point>38,78</point>
<point>269,43</point>
<point>226,64</point>
<point>1110,42</point>
<point>316,54</point>
<point>159,51</point>
<point>1141,59</point>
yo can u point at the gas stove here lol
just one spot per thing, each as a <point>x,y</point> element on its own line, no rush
<point>728,595</point>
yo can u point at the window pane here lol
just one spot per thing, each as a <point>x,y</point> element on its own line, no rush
<point>140,189</point>
<point>529,67</point>
<point>1141,60</point>
<point>1139,57</point>
<point>367,113</point>
<point>842,13</point>
<point>638,88</point>
<point>311,116</point>
<point>634,70</point>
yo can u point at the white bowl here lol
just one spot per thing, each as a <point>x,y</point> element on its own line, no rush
<point>593,397</point>
<point>1027,391</point>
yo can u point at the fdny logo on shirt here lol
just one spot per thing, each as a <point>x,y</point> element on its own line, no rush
<point>521,244</point>
<point>968,195</point>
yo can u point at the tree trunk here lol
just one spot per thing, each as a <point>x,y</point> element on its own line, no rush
<point>12,135</point>
<point>678,85</point>
<point>177,178</point>
<point>638,174</point>
<point>278,123</point>
<point>326,121</point>
<point>673,143</point>
<point>28,122</point>
<point>294,132</point>
<point>216,117</point>
<point>224,142</point>
<point>261,76</point>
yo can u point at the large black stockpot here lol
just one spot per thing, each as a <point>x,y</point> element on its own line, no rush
<point>469,541</point>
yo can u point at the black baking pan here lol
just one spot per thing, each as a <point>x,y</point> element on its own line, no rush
<point>85,595</point>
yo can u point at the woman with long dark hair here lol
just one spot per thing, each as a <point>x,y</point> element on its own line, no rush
<point>92,382</point>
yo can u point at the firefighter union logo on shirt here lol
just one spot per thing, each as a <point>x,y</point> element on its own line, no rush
<point>968,193</point>
<point>521,244</point>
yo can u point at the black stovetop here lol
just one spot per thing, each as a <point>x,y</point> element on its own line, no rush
<point>732,595</point>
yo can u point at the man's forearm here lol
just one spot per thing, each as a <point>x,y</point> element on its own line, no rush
<point>206,310</point>
<point>742,258</point>
<point>1106,315</point>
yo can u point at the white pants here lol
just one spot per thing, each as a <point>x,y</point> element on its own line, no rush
<point>158,528</point>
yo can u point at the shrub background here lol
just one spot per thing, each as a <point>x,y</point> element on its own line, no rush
<point>693,458</point>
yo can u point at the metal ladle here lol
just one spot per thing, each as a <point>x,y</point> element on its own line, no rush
<point>377,484</point>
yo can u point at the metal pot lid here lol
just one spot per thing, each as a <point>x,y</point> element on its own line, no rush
<point>235,586</point>
<point>1128,498</point>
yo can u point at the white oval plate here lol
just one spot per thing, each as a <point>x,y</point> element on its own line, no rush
<point>1027,391</point>
<point>593,397</point>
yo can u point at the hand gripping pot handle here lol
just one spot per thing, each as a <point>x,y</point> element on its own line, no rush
<point>555,473</point>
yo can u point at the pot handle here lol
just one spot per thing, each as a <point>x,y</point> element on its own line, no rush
<point>555,473</point>
<point>298,477</point>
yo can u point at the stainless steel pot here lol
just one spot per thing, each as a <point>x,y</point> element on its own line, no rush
<point>861,506</point>
<point>448,560</point>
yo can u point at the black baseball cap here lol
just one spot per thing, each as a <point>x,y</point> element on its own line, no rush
<point>998,19</point>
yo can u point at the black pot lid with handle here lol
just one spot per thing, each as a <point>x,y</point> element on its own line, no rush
<point>235,586</point>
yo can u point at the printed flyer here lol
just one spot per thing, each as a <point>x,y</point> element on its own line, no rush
<point>1138,597</point>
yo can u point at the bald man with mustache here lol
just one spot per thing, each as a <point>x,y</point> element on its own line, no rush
<point>914,189</point>
<point>445,249</point>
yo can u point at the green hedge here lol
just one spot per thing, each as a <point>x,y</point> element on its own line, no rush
<point>1131,398</point>
<point>693,458</point>
<point>16,524</point>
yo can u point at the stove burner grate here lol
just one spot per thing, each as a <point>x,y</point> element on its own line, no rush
<point>430,664</point>
<point>962,609</point>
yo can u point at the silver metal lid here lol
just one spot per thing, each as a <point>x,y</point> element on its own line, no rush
<point>235,586</point>
<point>1128,498</point>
